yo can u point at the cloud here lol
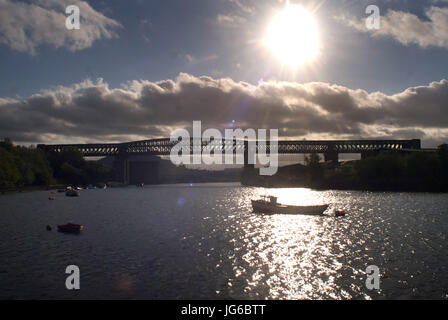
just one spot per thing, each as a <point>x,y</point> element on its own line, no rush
<point>230,20</point>
<point>194,60</point>
<point>244,6</point>
<point>25,26</point>
<point>92,111</point>
<point>408,28</point>
<point>238,13</point>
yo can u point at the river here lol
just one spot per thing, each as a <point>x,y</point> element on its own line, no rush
<point>203,242</point>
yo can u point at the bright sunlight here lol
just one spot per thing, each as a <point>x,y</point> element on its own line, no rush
<point>293,36</point>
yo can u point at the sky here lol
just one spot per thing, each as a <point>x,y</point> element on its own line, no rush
<point>141,69</point>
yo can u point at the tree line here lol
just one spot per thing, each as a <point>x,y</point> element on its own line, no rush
<point>31,166</point>
<point>387,171</point>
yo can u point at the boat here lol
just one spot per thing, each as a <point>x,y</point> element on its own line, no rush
<point>339,213</point>
<point>70,228</point>
<point>72,193</point>
<point>273,207</point>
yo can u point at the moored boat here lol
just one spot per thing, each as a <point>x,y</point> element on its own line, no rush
<point>72,193</point>
<point>70,228</point>
<point>339,213</point>
<point>272,207</point>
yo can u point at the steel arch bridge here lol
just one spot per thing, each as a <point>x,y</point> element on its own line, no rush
<point>165,146</point>
<point>126,169</point>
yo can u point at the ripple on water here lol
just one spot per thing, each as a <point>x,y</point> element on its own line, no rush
<point>170,242</point>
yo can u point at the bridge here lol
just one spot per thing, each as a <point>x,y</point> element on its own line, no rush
<point>329,148</point>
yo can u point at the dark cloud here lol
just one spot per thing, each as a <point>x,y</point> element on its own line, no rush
<point>89,111</point>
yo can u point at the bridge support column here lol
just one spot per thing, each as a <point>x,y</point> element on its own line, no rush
<point>331,154</point>
<point>247,165</point>
<point>121,168</point>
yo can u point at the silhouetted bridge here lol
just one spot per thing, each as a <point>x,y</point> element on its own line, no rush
<point>330,148</point>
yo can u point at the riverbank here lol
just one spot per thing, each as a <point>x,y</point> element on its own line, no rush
<point>17,189</point>
<point>394,172</point>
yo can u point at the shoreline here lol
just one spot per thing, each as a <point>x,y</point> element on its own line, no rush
<point>353,188</point>
<point>6,191</point>
<point>30,189</point>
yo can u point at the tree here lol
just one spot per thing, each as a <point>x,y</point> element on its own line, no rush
<point>315,169</point>
<point>312,160</point>
<point>442,152</point>
<point>7,144</point>
<point>9,173</point>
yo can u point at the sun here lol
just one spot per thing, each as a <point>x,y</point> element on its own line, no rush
<point>293,36</point>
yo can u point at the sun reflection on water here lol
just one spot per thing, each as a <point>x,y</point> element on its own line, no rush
<point>296,196</point>
<point>289,256</point>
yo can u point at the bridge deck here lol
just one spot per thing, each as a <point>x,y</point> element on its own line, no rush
<point>164,146</point>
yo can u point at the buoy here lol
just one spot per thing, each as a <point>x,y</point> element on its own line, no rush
<point>48,227</point>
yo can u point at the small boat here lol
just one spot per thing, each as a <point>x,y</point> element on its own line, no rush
<point>339,213</point>
<point>70,228</point>
<point>272,207</point>
<point>72,193</point>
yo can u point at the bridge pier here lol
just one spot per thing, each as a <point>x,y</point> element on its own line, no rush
<point>122,169</point>
<point>129,170</point>
<point>331,154</point>
<point>247,165</point>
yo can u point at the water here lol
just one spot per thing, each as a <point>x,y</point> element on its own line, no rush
<point>203,242</point>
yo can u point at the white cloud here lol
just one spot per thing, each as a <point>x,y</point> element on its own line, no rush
<point>92,111</point>
<point>25,26</point>
<point>243,6</point>
<point>408,28</point>
<point>195,60</point>
<point>238,14</point>
<point>230,20</point>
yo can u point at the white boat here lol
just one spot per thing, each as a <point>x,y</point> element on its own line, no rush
<point>272,207</point>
